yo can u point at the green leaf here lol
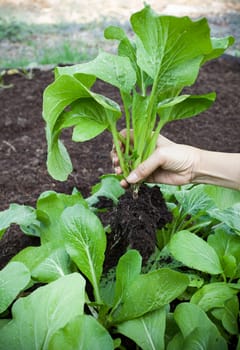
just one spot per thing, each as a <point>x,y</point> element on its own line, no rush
<point>170,49</point>
<point>230,216</point>
<point>14,277</point>
<point>222,197</point>
<point>128,268</point>
<point>184,106</point>
<point>197,331</point>
<point>115,70</point>
<point>194,252</point>
<point>194,200</point>
<point>82,332</point>
<point>213,295</point>
<point>52,204</point>
<point>85,242</point>
<point>219,46</point>
<point>58,95</point>
<point>227,248</point>
<point>46,263</point>
<point>17,214</point>
<point>147,331</point>
<point>40,315</point>
<point>108,187</point>
<point>228,315</point>
<point>151,291</point>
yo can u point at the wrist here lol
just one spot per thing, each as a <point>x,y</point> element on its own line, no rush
<point>217,168</point>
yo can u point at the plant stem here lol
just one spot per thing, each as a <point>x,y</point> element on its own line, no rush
<point>128,126</point>
<point>118,149</point>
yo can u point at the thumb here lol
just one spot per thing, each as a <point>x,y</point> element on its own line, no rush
<point>145,169</point>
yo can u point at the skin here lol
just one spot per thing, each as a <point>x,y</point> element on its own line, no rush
<point>178,164</point>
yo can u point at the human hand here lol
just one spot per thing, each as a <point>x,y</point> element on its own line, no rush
<point>170,163</point>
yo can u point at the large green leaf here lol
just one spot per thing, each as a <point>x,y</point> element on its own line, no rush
<point>58,95</point>
<point>197,331</point>
<point>230,216</point>
<point>37,317</point>
<point>214,295</point>
<point>195,253</point>
<point>194,201</point>
<point>128,268</point>
<point>149,292</point>
<point>17,214</point>
<point>170,49</point>
<point>85,241</point>
<point>147,331</point>
<point>46,263</point>
<point>82,333</point>
<point>222,197</point>
<point>115,70</point>
<point>14,277</point>
<point>52,204</point>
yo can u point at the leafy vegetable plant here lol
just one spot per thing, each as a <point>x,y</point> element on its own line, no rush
<point>189,298</point>
<point>150,71</point>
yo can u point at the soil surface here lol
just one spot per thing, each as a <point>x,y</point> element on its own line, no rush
<point>23,174</point>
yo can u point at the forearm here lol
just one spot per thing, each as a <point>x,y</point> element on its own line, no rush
<point>218,168</point>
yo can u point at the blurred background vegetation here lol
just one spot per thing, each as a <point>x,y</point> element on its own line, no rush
<point>51,32</point>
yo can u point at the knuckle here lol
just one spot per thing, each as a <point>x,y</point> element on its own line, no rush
<point>142,170</point>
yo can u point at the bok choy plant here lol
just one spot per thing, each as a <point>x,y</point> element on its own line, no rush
<point>150,71</point>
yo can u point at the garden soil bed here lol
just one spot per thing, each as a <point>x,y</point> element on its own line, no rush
<point>23,152</point>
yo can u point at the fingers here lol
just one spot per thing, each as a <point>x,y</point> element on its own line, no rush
<point>145,169</point>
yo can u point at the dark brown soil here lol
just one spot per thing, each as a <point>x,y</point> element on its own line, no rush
<point>23,174</point>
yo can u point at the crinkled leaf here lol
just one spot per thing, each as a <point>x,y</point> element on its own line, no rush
<point>195,253</point>
<point>14,277</point>
<point>213,295</point>
<point>170,49</point>
<point>82,332</point>
<point>17,214</point>
<point>147,331</point>
<point>194,200</point>
<point>152,291</point>
<point>85,241</point>
<point>115,70</point>
<point>230,216</point>
<point>108,187</point>
<point>40,315</point>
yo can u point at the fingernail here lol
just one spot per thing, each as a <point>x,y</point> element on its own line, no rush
<point>132,178</point>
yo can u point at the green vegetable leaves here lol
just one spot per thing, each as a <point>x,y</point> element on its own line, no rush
<point>150,71</point>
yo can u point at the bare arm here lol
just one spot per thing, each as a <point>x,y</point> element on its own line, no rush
<point>177,164</point>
